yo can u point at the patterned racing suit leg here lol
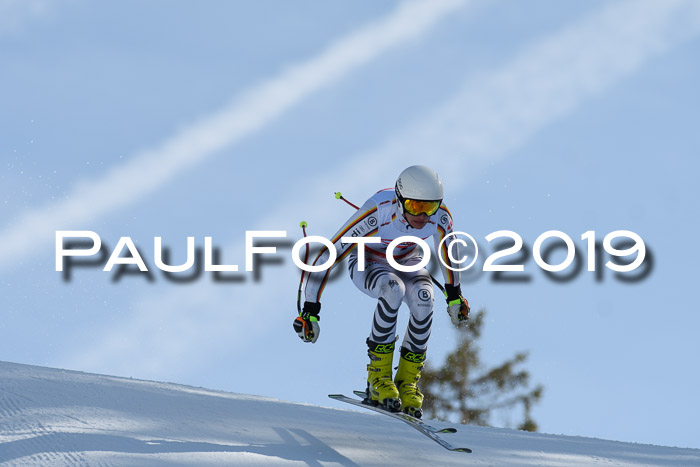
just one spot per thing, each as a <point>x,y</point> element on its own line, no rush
<point>391,287</point>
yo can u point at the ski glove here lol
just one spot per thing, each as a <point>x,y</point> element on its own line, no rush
<point>306,324</point>
<point>457,306</point>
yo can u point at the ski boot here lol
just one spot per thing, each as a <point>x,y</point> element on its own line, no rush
<point>381,390</point>
<point>408,374</point>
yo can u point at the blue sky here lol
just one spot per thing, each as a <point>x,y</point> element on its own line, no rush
<point>173,119</point>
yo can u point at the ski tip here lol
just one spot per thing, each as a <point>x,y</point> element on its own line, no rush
<point>462,450</point>
<point>448,430</point>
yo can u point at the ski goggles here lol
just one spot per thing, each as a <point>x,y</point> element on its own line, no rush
<point>416,208</point>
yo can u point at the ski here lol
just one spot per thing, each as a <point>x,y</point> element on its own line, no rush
<point>427,430</point>
<point>362,395</point>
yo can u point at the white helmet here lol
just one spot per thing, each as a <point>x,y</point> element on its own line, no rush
<point>418,182</point>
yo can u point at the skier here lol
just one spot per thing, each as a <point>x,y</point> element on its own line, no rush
<point>413,207</point>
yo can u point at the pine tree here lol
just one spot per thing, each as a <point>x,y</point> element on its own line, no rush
<point>464,390</point>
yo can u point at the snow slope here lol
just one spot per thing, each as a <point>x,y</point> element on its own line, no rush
<point>58,417</point>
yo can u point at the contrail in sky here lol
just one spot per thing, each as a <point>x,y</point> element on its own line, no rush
<point>15,14</point>
<point>147,171</point>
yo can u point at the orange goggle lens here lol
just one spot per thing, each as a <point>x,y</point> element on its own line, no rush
<point>416,208</point>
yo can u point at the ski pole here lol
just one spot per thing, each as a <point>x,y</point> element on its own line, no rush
<point>339,195</point>
<point>303,226</point>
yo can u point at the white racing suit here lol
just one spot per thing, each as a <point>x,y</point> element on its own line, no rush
<point>379,217</point>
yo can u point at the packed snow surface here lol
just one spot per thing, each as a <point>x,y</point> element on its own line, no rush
<point>58,417</point>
